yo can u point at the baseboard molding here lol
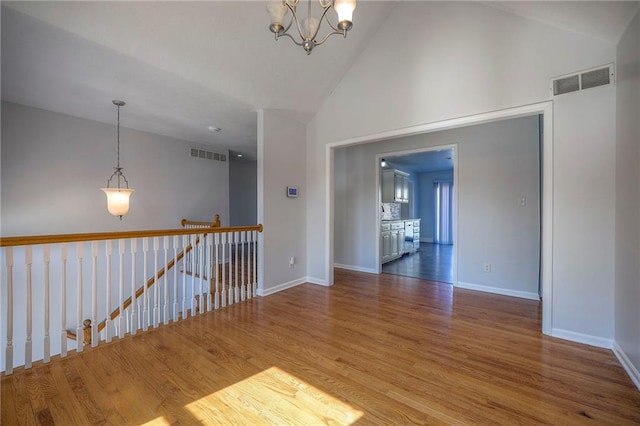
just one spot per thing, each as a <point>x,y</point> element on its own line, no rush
<point>498,290</point>
<point>426,240</point>
<point>628,366</point>
<point>317,281</point>
<point>281,287</point>
<point>355,268</point>
<point>587,339</point>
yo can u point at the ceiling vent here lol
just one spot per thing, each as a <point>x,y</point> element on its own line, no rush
<point>588,79</point>
<point>206,155</point>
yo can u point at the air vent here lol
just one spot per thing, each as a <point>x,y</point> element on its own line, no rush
<point>206,155</point>
<point>588,79</point>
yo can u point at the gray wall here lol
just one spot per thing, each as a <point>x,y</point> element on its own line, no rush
<point>53,166</point>
<point>498,163</point>
<point>426,201</point>
<point>243,192</point>
<point>627,233</point>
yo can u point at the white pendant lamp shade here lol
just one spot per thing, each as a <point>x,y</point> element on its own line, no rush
<point>118,200</point>
<point>344,9</point>
<point>277,10</point>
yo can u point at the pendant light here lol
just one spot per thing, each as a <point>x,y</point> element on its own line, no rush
<point>118,196</point>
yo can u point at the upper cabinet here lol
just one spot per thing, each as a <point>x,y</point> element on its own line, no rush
<point>395,186</point>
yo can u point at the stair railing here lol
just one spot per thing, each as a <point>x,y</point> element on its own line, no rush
<point>55,282</point>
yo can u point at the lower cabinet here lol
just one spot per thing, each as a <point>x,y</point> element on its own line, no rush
<point>391,241</point>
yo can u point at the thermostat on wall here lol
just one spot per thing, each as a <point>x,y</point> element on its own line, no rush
<point>292,191</point>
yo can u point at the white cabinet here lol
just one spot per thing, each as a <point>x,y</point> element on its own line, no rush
<point>395,186</point>
<point>391,240</point>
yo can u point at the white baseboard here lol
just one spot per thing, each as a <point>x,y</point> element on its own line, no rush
<point>587,339</point>
<point>355,268</point>
<point>498,290</point>
<point>628,366</point>
<point>280,287</point>
<point>317,281</point>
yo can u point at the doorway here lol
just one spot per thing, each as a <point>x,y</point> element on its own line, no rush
<point>429,214</point>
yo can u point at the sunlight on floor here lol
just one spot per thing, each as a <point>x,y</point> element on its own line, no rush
<point>158,421</point>
<point>272,396</point>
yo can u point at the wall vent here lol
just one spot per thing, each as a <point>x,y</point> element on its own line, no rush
<point>206,155</point>
<point>587,79</point>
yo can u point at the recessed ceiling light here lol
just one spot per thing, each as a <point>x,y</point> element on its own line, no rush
<point>239,155</point>
<point>214,129</point>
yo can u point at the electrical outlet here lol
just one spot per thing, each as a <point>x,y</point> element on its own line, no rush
<point>292,261</point>
<point>522,201</point>
<point>487,267</point>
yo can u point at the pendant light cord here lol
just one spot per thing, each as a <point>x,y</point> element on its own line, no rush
<point>118,139</point>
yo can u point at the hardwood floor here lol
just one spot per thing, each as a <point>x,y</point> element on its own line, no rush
<point>369,350</point>
<point>432,262</point>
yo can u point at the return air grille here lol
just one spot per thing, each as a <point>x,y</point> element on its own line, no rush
<point>588,79</point>
<point>206,155</point>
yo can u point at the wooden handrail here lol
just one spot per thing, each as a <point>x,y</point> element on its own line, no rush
<point>215,224</point>
<point>100,236</point>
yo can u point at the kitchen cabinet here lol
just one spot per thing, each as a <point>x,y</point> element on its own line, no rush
<point>391,240</point>
<point>395,186</point>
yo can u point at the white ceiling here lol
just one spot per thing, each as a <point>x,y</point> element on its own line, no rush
<point>183,66</point>
<point>422,162</point>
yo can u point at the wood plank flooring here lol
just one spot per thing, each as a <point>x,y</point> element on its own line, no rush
<point>369,350</point>
<point>432,262</point>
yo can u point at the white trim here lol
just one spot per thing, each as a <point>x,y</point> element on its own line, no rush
<point>497,290</point>
<point>587,339</point>
<point>317,281</point>
<point>356,268</point>
<point>544,108</point>
<point>628,366</point>
<point>280,287</point>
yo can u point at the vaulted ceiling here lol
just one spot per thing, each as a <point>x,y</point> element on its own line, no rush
<point>185,66</point>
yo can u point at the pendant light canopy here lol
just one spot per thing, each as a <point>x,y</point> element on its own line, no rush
<point>118,196</point>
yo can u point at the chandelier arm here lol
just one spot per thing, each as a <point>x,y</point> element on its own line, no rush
<point>323,17</point>
<point>295,18</point>
<point>318,43</point>
<point>323,5</point>
<point>291,37</point>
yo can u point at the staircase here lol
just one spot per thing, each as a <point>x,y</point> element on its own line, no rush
<point>103,286</point>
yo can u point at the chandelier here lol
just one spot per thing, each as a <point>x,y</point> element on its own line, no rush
<point>309,26</point>
<point>117,196</point>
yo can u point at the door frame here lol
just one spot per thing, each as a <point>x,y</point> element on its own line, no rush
<point>546,235</point>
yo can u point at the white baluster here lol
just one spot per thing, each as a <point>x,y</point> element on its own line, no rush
<point>231,260</point>
<point>185,243</point>
<point>63,300</point>
<point>223,293</point>
<point>193,274</point>
<point>175,277</point>
<point>201,251</point>
<point>236,260</point>
<point>216,263</point>
<point>108,326</point>
<point>47,311</point>
<point>28,260</point>
<point>79,326</point>
<point>209,271</point>
<point>94,294</point>
<point>243,289</point>
<point>133,323</point>
<point>156,284</point>
<point>166,282</point>
<point>8,367</point>
<point>122,323</point>
<point>255,261</point>
<point>145,295</point>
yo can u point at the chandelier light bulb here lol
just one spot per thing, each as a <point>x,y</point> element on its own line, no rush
<point>344,9</point>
